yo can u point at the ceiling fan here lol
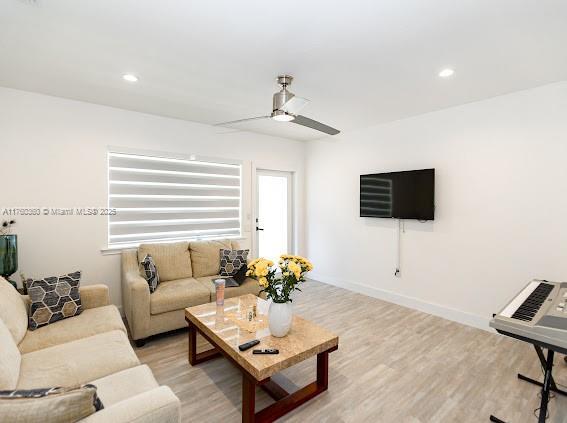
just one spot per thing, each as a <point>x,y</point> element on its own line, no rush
<point>286,105</point>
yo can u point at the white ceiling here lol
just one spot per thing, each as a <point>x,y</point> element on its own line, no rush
<point>360,62</point>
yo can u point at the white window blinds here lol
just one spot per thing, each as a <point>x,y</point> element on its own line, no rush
<point>160,199</point>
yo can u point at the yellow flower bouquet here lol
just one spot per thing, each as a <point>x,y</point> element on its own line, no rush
<point>279,287</point>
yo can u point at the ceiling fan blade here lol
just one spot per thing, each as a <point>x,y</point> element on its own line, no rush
<point>232,122</point>
<point>294,105</point>
<point>313,124</point>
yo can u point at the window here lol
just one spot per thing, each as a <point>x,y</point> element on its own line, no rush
<point>160,199</point>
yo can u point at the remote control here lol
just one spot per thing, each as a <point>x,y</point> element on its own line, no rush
<point>266,351</point>
<point>248,345</point>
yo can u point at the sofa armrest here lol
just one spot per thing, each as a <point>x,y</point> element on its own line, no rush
<point>157,405</point>
<point>93,296</point>
<point>135,296</point>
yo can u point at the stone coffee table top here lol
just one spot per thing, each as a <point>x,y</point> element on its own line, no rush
<point>229,327</point>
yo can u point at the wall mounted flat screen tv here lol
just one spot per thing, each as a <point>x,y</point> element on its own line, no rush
<point>400,195</point>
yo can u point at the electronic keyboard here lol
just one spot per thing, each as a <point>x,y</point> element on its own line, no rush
<point>537,313</point>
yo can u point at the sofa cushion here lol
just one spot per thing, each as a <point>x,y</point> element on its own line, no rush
<point>53,298</point>
<point>125,384</point>
<point>50,405</point>
<point>77,362</point>
<point>172,259</point>
<point>250,286</point>
<point>178,294</point>
<point>205,256</point>
<point>10,359</point>
<point>90,322</point>
<point>13,310</point>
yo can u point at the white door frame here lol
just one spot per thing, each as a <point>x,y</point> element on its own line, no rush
<point>290,175</point>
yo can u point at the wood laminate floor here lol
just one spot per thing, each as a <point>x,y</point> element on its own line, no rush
<point>393,364</point>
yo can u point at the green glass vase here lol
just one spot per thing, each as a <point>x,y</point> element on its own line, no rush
<point>8,257</point>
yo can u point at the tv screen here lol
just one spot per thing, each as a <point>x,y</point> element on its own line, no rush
<point>401,195</point>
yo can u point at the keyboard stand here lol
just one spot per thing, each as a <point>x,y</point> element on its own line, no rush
<point>547,385</point>
<point>553,386</point>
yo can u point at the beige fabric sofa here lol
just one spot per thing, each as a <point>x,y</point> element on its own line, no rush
<point>185,270</point>
<point>89,348</point>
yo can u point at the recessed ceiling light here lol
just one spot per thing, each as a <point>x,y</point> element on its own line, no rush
<point>130,77</point>
<point>446,73</point>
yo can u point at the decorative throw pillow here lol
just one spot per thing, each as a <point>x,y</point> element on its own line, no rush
<point>49,405</point>
<point>231,261</point>
<point>54,298</point>
<point>150,272</point>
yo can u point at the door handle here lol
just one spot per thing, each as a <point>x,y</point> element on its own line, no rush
<point>259,229</point>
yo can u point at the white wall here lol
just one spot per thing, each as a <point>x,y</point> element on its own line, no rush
<point>501,193</point>
<point>501,205</point>
<point>53,154</point>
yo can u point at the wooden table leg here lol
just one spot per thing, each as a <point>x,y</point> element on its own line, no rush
<point>285,404</point>
<point>194,357</point>
<point>274,390</point>
<point>323,370</point>
<point>248,399</point>
<point>192,344</point>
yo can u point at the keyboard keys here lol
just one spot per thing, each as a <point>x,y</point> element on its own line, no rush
<point>533,303</point>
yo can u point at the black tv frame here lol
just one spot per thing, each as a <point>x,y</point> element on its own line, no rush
<point>427,217</point>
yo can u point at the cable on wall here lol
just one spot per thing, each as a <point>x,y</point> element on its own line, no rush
<point>401,229</point>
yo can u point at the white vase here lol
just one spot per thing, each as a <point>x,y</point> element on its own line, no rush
<point>280,316</point>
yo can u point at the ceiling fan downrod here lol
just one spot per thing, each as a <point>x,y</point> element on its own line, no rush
<point>282,97</point>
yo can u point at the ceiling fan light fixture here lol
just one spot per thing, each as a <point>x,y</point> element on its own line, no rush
<point>282,116</point>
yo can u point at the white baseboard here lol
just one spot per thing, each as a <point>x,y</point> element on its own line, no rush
<point>458,316</point>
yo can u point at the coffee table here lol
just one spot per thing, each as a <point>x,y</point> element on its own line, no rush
<point>227,326</point>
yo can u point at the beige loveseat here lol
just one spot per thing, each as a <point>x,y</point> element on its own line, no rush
<point>91,347</point>
<point>185,270</point>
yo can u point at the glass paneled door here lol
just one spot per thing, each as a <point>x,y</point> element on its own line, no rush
<point>274,219</point>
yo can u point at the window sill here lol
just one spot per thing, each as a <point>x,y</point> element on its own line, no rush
<point>109,251</point>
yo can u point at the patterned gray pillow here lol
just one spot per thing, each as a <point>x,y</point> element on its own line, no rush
<point>54,298</point>
<point>68,404</point>
<point>231,261</point>
<point>44,392</point>
<point>150,272</point>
